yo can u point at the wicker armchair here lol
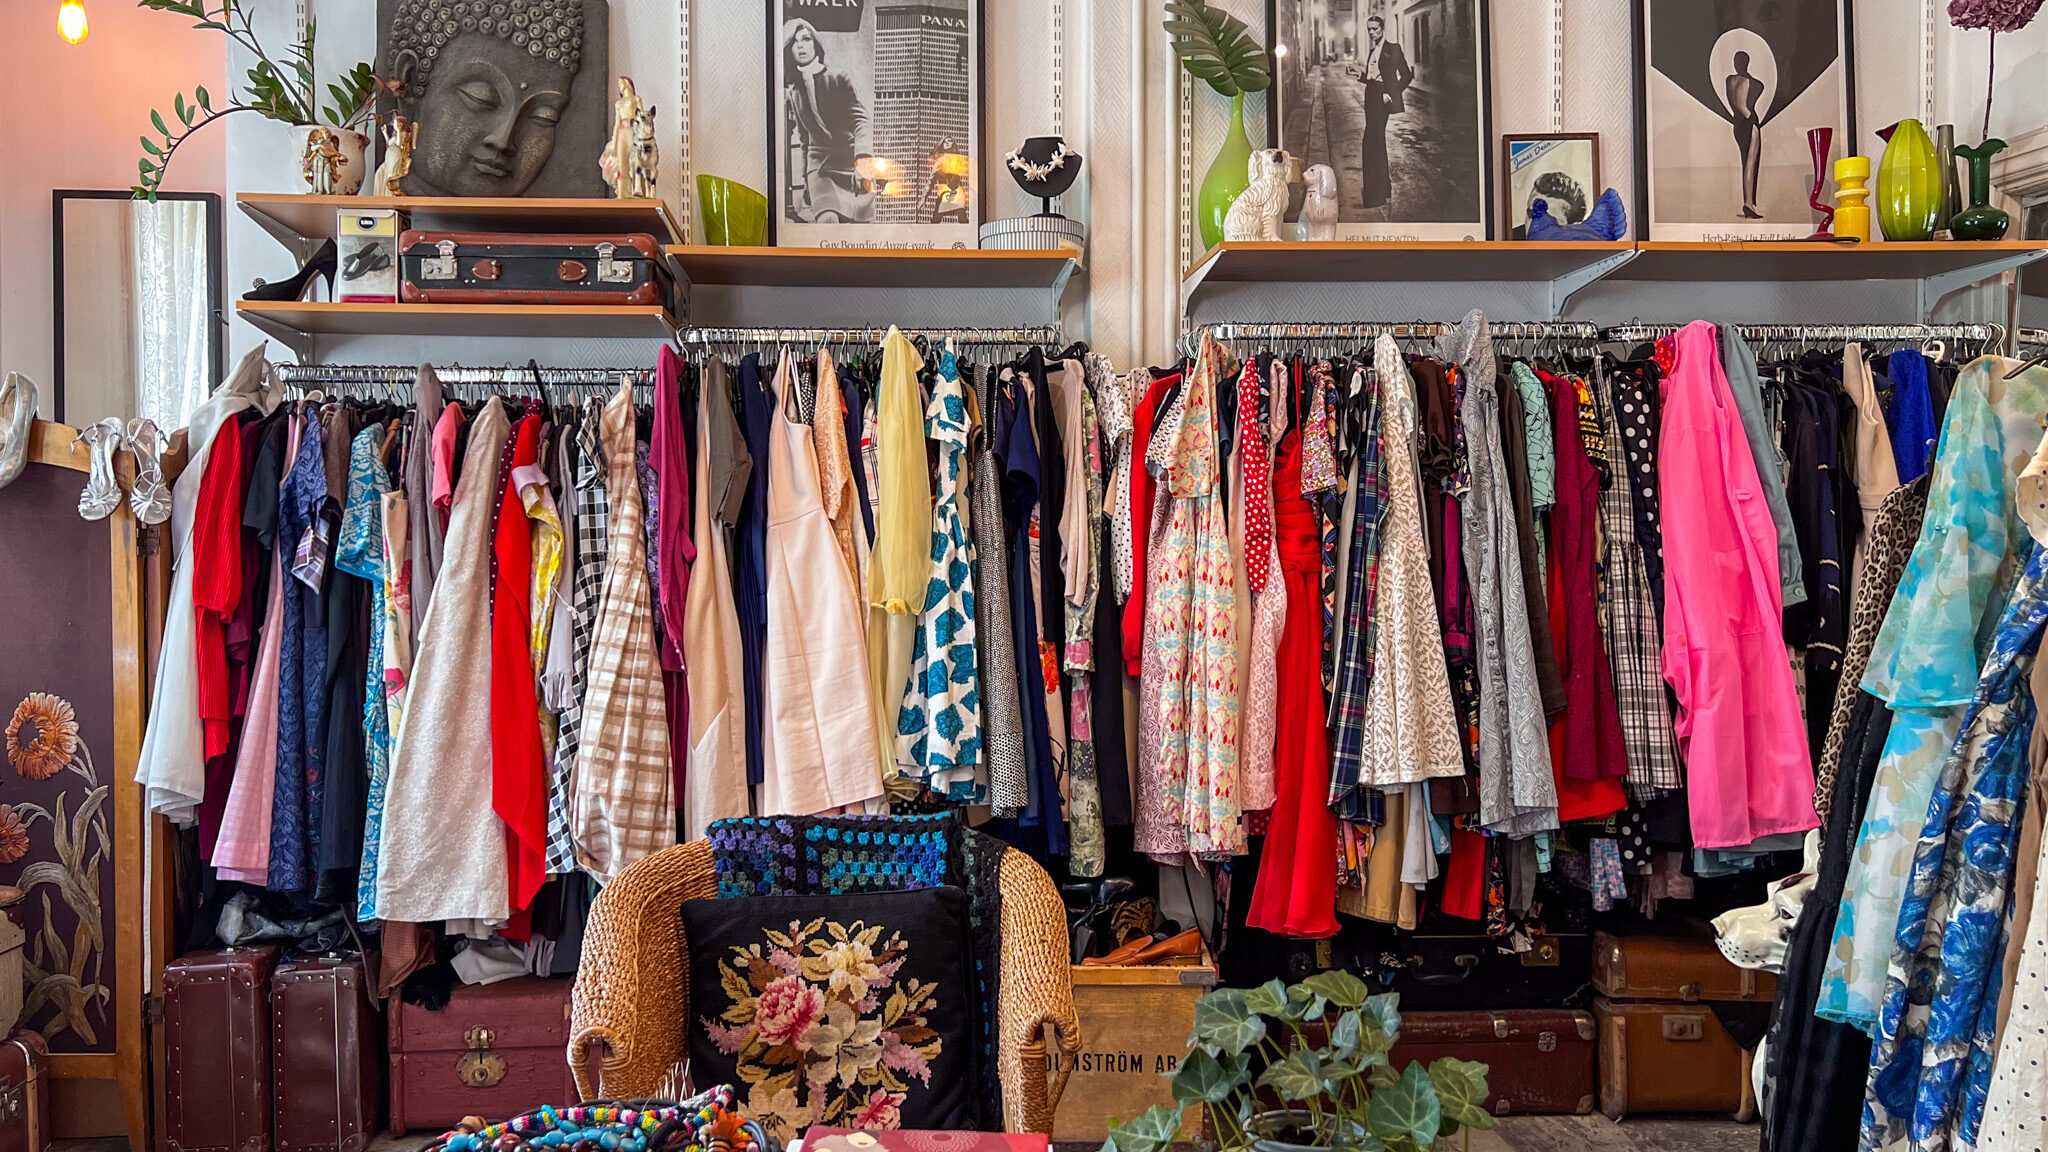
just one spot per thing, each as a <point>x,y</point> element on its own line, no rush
<point>630,1010</point>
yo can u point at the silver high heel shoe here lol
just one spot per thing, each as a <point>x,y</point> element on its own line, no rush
<point>17,418</point>
<point>151,496</point>
<point>102,490</point>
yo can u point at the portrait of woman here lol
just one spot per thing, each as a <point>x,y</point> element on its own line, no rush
<point>828,135</point>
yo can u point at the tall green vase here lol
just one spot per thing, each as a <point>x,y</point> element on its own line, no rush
<point>1980,221</point>
<point>1908,184</point>
<point>1226,179</point>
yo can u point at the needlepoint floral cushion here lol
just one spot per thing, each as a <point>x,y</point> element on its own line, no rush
<point>853,1011</point>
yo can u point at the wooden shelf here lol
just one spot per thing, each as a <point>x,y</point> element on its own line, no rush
<point>1566,265</point>
<point>857,268</point>
<point>295,220</point>
<point>1960,262</point>
<point>296,323</point>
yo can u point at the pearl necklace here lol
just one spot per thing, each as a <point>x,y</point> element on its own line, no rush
<point>1037,172</point>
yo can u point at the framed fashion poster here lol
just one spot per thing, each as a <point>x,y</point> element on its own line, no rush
<point>1562,169</point>
<point>1394,96</point>
<point>874,122</point>
<point>1725,94</point>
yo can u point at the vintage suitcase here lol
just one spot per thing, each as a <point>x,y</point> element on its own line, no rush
<point>326,1034</point>
<point>1445,972</point>
<point>1539,1061</point>
<point>495,1051</point>
<point>217,1051</point>
<point>1681,965</point>
<point>24,1094</point>
<point>1664,1057</point>
<point>518,268</point>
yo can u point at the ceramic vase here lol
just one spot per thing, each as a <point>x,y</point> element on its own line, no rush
<point>1819,142</point>
<point>1980,221</point>
<point>349,169</point>
<point>732,212</point>
<point>1908,184</point>
<point>1852,215</point>
<point>1226,178</point>
<point>1945,159</point>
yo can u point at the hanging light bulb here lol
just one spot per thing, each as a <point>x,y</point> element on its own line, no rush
<point>71,23</point>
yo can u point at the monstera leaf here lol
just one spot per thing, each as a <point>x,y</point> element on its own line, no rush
<point>1217,48</point>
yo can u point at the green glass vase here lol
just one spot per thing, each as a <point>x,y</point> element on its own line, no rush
<point>1908,184</point>
<point>1980,221</point>
<point>1226,179</point>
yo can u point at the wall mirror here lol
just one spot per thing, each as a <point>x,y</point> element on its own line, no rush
<point>137,289</point>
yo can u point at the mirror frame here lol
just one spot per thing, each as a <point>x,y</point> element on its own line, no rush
<point>216,238</point>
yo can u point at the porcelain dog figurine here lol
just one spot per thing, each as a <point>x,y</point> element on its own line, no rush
<point>1319,205</point>
<point>1255,214</point>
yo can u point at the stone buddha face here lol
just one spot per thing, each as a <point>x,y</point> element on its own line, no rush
<point>487,110</point>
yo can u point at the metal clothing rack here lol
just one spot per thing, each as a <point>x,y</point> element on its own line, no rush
<point>1343,333</point>
<point>1041,334</point>
<point>1823,333</point>
<point>394,381</point>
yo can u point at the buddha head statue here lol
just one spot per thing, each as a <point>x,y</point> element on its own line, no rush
<point>487,82</point>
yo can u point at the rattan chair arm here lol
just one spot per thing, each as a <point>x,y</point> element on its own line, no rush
<point>629,1010</point>
<point>1037,994</point>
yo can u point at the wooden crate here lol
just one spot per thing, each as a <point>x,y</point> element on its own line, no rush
<point>1135,1025</point>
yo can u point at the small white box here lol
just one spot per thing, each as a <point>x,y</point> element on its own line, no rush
<point>366,243</point>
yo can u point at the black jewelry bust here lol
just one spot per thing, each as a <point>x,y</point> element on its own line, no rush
<point>1044,167</point>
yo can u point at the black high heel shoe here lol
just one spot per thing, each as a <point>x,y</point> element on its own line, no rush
<point>322,264</point>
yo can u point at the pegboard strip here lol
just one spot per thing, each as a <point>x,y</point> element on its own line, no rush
<point>685,201</point>
<point>1557,65</point>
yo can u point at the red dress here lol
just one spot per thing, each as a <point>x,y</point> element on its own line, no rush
<point>1296,894</point>
<point>518,789</point>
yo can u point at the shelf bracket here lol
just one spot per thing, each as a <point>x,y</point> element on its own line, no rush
<point>300,343</point>
<point>1933,288</point>
<point>301,247</point>
<point>1059,289</point>
<point>1563,288</point>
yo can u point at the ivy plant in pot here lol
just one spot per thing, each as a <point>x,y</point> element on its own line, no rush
<point>1320,1049</point>
<point>326,144</point>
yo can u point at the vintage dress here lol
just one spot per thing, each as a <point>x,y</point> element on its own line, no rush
<point>1876,473</point>
<point>1744,739</point>
<point>716,785</point>
<point>394,639</point>
<point>1411,728</point>
<point>302,696</point>
<point>1926,659</point>
<point>1268,591</point>
<point>1517,792</point>
<point>937,737</point>
<point>518,788</point>
<point>622,807</point>
<point>1296,893</point>
<point>818,738</point>
<point>1190,623</point>
<point>1931,1063</point>
<point>438,860</point>
<point>592,534</point>
<point>359,550</point>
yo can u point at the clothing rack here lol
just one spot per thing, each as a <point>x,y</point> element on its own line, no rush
<point>1511,330</point>
<point>1042,334</point>
<point>390,381</point>
<point>1823,333</point>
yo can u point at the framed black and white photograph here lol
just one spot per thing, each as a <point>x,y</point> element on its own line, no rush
<point>1562,169</point>
<point>874,122</point>
<point>1393,96</point>
<point>1725,94</point>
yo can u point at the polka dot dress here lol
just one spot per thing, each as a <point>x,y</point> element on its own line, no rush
<point>2016,1112</point>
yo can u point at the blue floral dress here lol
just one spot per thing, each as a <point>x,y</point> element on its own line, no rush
<point>938,729</point>
<point>1931,1064</point>
<point>1927,657</point>
<point>360,552</point>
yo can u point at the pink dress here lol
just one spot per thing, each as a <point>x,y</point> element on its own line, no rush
<point>1739,720</point>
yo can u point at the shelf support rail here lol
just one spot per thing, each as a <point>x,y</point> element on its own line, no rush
<point>1564,287</point>
<point>1933,288</point>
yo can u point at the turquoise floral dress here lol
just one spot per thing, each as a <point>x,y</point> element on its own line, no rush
<point>1931,1065</point>
<point>1927,657</point>
<point>360,552</point>
<point>938,729</point>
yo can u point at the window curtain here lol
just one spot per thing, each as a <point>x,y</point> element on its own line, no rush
<point>172,309</point>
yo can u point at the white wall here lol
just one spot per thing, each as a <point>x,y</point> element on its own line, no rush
<point>70,118</point>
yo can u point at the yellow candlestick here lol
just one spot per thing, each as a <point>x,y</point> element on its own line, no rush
<point>1852,215</point>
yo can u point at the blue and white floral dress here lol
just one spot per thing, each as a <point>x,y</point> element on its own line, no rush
<point>938,729</point>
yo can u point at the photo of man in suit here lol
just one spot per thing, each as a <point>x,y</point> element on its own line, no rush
<point>1386,76</point>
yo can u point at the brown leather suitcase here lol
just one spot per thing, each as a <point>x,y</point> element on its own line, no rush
<point>24,1094</point>
<point>1540,1061</point>
<point>1675,965</point>
<point>529,268</point>
<point>217,1051</point>
<point>1662,1057</point>
<point>495,1051</point>
<point>328,1089</point>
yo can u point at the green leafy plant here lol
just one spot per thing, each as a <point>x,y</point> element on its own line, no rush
<point>1346,1087</point>
<point>287,92</point>
<point>1217,48</point>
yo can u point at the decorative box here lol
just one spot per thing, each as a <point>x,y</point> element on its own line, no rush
<point>367,243</point>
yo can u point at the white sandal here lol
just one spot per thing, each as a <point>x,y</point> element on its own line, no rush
<point>102,489</point>
<point>151,497</point>
<point>17,419</point>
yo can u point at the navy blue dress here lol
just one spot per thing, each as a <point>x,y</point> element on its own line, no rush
<point>750,555</point>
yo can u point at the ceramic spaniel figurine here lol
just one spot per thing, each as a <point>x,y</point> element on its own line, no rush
<point>1255,214</point>
<point>1319,205</point>
<point>644,160</point>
